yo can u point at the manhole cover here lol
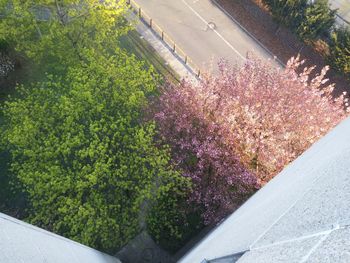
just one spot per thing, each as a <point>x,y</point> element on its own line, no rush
<point>211,25</point>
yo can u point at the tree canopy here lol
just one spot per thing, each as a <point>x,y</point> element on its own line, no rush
<point>61,29</point>
<point>82,151</point>
<point>233,132</point>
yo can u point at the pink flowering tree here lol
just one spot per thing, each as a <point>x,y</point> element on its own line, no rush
<point>232,132</point>
<point>200,149</point>
<point>273,115</point>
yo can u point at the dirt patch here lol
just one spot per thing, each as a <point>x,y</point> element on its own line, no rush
<point>9,81</point>
<point>256,19</point>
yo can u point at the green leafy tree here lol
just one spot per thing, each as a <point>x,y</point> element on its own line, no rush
<point>339,48</point>
<point>60,30</point>
<point>85,157</point>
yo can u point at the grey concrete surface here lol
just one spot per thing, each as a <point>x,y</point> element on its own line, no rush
<point>230,259</point>
<point>162,49</point>
<point>142,249</point>
<point>186,21</point>
<point>335,249</point>
<point>326,204</point>
<point>22,242</point>
<point>289,252</point>
<point>309,198</point>
<point>343,11</point>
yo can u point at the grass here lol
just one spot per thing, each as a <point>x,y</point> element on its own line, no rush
<point>135,44</point>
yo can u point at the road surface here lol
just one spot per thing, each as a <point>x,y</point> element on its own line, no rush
<point>343,11</point>
<point>203,31</point>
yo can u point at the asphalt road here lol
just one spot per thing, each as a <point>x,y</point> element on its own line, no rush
<point>186,22</point>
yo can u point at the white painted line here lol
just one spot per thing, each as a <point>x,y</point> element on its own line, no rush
<point>249,34</point>
<point>216,32</point>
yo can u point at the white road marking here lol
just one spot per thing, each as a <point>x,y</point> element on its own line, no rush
<point>216,32</point>
<point>273,57</point>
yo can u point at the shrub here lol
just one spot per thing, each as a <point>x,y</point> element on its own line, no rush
<point>169,221</point>
<point>309,20</point>
<point>318,21</point>
<point>4,46</point>
<point>290,13</point>
<point>339,48</point>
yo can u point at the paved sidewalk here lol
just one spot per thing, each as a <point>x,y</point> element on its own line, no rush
<point>163,50</point>
<point>186,21</point>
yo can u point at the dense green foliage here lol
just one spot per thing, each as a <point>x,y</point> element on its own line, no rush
<point>317,22</point>
<point>80,148</point>
<point>169,221</point>
<point>312,21</point>
<point>3,45</point>
<point>76,144</point>
<point>339,56</point>
<point>61,29</point>
<point>288,12</point>
<point>309,20</point>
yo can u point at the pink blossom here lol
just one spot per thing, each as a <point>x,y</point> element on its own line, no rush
<point>234,132</point>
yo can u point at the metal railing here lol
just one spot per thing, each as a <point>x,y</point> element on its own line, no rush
<point>172,45</point>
